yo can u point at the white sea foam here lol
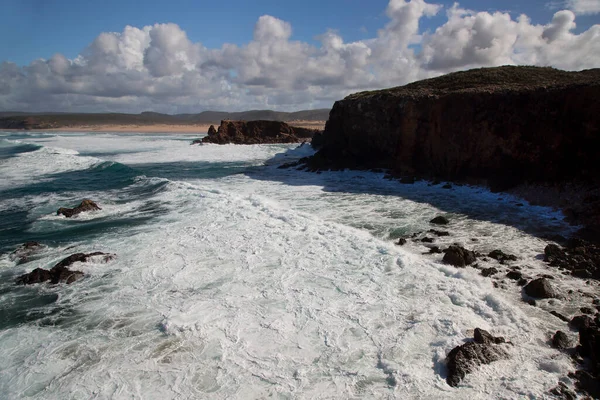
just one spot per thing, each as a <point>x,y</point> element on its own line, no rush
<point>285,284</point>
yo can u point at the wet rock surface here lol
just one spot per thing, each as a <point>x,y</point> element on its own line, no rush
<point>580,258</point>
<point>458,256</point>
<point>465,358</point>
<point>85,205</point>
<point>60,273</point>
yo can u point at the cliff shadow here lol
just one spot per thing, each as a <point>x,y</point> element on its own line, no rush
<point>456,202</point>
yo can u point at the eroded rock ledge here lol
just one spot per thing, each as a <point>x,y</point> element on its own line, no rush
<point>498,126</point>
<point>256,132</point>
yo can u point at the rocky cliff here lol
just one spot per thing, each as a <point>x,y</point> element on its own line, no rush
<point>256,132</point>
<point>501,126</point>
<point>506,125</point>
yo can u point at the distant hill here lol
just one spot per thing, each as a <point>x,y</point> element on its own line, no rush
<point>51,120</point>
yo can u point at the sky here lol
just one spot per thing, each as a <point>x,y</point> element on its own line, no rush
<point>186,56</point>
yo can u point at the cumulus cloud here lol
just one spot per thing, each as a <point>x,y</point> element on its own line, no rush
<point>159,68</point>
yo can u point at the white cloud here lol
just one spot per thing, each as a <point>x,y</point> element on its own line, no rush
<point>584,6</point>
<point>159,68</point>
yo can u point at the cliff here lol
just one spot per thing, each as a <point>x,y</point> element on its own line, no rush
<point>256,132</point>
<point>501,126</point>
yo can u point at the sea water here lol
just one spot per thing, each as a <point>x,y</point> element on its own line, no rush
<point>235,279</point>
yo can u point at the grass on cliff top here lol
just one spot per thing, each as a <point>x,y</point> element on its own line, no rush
<point>504,78</point>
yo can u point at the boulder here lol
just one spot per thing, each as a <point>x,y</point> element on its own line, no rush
<point>466,358</point>
<point>458,256</point>
<point>560,341</point>
<point>439,233</point>
<point>85,205</point>
<point>540,288</point>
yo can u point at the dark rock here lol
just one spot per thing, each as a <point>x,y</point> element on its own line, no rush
<point>427,240</point>
<point>439,233</point>
<point>38,275</point>
<point>540,288</point>
<point>553,251</point>
<point>458,256</point>
<point>85,205</point>
<point>447,186</point>
<point>587,310</point>
<point>212,130</point>
<point>489,271</point>
<point>514,275</point>
<point>83,257</point>
<point>588,383</point>
<point>562,392</point>
<point>581,322</point>
<point>522,282</point>
<point>501,256</point>
<point>257,132</point>
<point>466,358</point>
<point>484,337</point>
<point>582,273</point>
<point>407,180</point>
<point>401,242</point>
<point>559,316</point>
<point>60,273</point>
<point>560,341</point>
<point>440,220</point>
<point>435,250</point>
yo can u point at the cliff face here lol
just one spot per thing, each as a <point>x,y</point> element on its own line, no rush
<point>505,125</point>
<point>256,132</point>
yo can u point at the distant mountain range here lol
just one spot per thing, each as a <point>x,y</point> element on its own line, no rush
<point>23,120</point>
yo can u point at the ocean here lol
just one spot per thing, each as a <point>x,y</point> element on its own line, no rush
<point>234,279</point>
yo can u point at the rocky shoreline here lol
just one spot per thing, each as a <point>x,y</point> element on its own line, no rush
<point>505,127</point>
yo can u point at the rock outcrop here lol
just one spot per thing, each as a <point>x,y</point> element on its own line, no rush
<point>458,256</point>
<point>85,205</point>
<point>256,132</point>
<point>501,126</point>
<point>465,358</point>
<point>60,272</point>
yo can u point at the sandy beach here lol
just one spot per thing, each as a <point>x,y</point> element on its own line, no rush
<point>159,128</point>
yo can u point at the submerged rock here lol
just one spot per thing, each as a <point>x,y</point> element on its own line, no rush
<point>25,252</point>
<point>85,205</point>
<point>458,256</point>
<point>466,358</point>
<point>440,220</point>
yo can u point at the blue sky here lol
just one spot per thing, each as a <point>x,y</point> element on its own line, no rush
<point>189,56</point>
<point>33,29</point>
